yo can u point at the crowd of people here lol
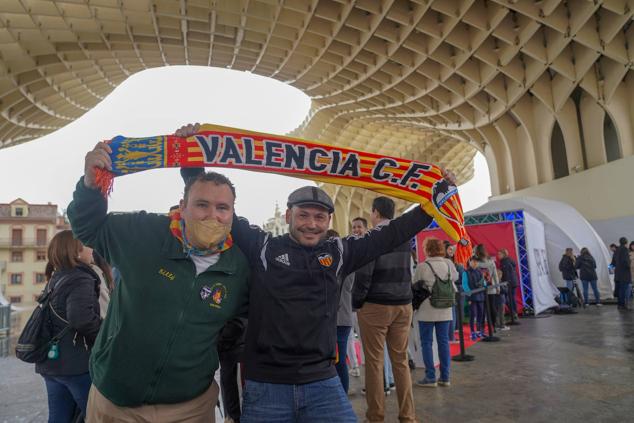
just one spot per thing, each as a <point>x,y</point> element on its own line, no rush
<point>200,289</point>
<point>583,268</point>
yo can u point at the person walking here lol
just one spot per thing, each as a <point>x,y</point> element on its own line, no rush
<point>623,273</point>
<point>568,271</point>
<point>436,267</point>
<point>74,288</point>
<point>586,265</point>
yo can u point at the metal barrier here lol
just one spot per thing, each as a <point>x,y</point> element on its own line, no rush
<point>5,329</point>
<point>460,316</point>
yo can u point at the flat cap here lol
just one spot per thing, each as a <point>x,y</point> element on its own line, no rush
<point>310,196</point>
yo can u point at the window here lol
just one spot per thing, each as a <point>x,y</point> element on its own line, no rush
<point>558,153</point>
<point>19,211</point>
<point>16,256</point>
<point>611,140</point>
<point>40,255</point>
<point>16,237</point>
<point>40,278</point>
<point>41,237</point>
<point>16,278</point>
<point>15,299</point>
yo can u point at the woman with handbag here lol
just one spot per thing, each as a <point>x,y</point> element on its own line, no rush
<point>74,291</point>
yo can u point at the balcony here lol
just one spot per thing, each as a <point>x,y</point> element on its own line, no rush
<point>23,243</point>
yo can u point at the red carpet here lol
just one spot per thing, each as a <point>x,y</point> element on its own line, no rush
<point>455,348</point>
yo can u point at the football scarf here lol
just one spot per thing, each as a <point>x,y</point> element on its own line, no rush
<point>219,146</point>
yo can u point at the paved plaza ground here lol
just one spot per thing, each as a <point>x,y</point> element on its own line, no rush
<point>561,368</point>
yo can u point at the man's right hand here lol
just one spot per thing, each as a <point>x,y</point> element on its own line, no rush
<point>187,130</point>
<point>99,157</point>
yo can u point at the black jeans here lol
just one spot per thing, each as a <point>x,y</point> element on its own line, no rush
<point>493,309</point>
<point>511,299</point>
<point>229,383</point>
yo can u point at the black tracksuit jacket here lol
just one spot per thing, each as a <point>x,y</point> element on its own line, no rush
<point>294,295</point>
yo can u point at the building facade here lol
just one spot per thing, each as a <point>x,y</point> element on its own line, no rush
<point>277,224</point>
<point>25,231</point>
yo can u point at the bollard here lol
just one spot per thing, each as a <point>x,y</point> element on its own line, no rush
<point>462,356</point>
<point>490,337</point>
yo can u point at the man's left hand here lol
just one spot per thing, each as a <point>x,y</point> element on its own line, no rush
<point>449,176</point>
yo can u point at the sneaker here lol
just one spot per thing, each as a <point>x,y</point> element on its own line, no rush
<point>411,364</point>
<point>480,334</point>
<point>599,305</point>
<point>426,383</point>
<point>444,383</point>
<point>475,336</point>
<point>355,372</point>
<point>392,387</point>
<point>505,328</point>
<point>586,305</point>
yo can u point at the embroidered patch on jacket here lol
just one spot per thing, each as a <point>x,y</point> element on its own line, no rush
<point>218,295</point>
<point>283,259</point>
<point>205,292</point>
<point>325,259</point>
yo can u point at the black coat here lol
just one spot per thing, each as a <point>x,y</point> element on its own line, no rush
<point>509,271</point>
<point>621,263</point>
<point>567,268</point>
<point>586,265</point>
<point>77,301</point>
<point>294,295</point>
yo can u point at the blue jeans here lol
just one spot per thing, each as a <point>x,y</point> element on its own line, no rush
<point>343,333</point>
<point>476,315</point>
<point>442,338</point>
<point>64,394</point>
<point>388,376</point>
<point>322,401</point>
<point>452,323</point>
<point>594,289</point>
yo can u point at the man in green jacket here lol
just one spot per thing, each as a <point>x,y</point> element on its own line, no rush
<point>181,280</point>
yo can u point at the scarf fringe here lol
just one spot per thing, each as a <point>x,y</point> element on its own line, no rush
<point>104,179</point>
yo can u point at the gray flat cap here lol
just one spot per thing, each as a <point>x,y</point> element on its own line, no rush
<point>313,196</point>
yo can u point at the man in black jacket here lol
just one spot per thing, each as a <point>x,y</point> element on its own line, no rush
<point>509,274</point>
<point>291,338</point>
<point>568,271</point>
<point>622,273</point>
<point>383,293</point>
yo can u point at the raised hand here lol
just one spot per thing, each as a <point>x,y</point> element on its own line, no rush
<point>98,157</point>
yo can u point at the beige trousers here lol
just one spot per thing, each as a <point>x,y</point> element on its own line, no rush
<point>381,324</point>
<point>198,410</point>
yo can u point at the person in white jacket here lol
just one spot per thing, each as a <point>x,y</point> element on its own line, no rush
<point>430,318</point>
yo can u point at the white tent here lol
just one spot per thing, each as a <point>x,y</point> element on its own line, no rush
<point>564,227</point>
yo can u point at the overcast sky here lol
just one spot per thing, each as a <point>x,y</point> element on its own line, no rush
<point>157,101</point>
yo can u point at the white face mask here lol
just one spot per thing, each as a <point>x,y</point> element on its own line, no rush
<point>207,234</point>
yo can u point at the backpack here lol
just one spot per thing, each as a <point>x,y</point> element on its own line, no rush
<point>443,292</point>
<point>37,339</point>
